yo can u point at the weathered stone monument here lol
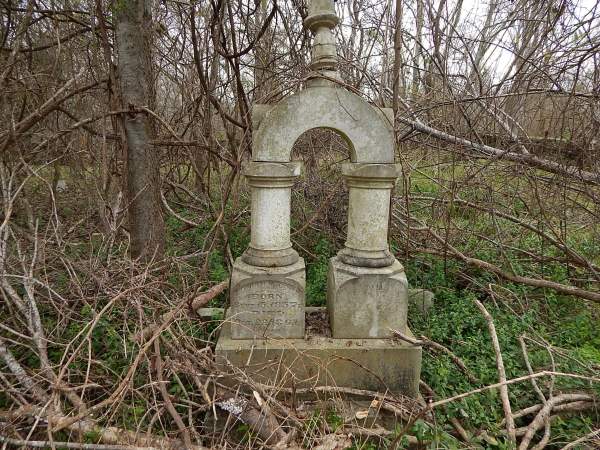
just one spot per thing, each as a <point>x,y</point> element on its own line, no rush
<point>367,294</point>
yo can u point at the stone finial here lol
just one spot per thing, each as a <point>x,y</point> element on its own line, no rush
<point>320,21</point>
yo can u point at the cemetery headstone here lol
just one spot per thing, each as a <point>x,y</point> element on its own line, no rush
<point>367,292</point>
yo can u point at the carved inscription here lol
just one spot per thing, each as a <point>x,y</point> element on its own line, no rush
<point>267,308</point>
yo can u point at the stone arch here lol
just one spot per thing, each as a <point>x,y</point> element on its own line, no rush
<point>367,131</point>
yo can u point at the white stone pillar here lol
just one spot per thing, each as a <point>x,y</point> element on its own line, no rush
<point>370,187</point>
<point>271,184</point>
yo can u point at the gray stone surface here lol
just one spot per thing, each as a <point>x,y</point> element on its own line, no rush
<point>271,184</point>
<point>267,301</point>
<point>321,20</point>
<point>366,302</point>
<point>373,364</point>
<point>260,110</point>
<point>265,332</point>
<point>368,134</point>
<point>61,186</point>
<point>209,313</point>
<point>323,103</point>
<point>420,300</point>
<point>370,187</point>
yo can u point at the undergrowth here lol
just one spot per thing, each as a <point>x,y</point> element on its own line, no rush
<point>567,323</point>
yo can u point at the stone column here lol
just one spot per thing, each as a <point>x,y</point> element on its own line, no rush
<point>271,183</point>
<point>367,290</point>
<point>370,187</point>
<point>267,282</point>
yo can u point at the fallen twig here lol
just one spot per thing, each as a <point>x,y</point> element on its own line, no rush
<point>543,373</point>
<point>76,445</point>
<point>108,435</point>
<point>167,317</point>
<point>424,341</point>
<point>510,423</point>
<point>542,397</point>
<point>543,415</point>
<point>165,395</point>
<point>564,407</point>
<point>486,151</point>
<point>388,402</point>
<point>588,437</point>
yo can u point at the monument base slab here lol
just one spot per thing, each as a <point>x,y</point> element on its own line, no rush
<point>319,360</point>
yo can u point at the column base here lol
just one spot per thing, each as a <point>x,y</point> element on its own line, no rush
<point>318,360</point>
<point>270,258</point>
<point>366,302</point>
<point>365,258</point>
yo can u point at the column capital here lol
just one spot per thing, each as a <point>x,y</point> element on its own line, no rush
<point>371,176</point>
<point>272,174</point>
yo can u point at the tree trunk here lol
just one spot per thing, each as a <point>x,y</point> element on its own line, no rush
<point>264,85</point>
<point>416,78</point>
<point>398,77</point>
<point>133,22</point>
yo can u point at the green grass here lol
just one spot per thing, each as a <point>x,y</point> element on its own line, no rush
<point>455,322</point>
<point>316,273</point>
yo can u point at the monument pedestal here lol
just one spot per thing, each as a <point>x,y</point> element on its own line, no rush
<point>266,301</point>
<point>265,333</point>
<point>366,302</point>
<point>319,360</point>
